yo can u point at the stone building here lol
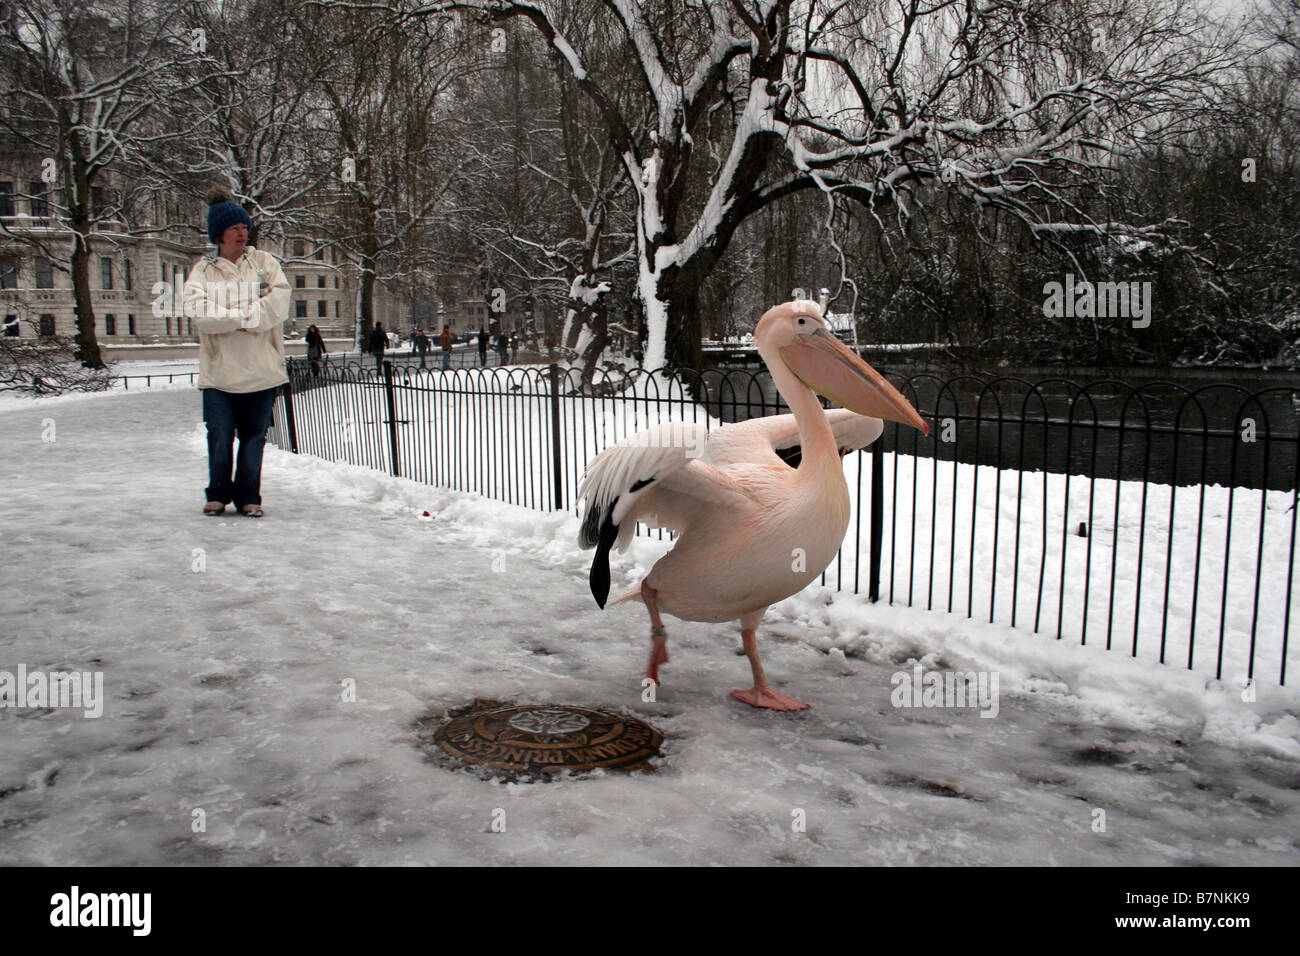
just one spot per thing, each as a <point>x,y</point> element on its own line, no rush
<point>135,274</point>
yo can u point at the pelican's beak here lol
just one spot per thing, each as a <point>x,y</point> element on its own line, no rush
<point>829,368</point>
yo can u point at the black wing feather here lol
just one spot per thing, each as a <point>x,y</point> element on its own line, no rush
<point>599,577</point>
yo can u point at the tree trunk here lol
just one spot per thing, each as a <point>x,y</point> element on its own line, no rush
<point>366,304</point>
<point>87,351</point>
<point>597,324</point>
<point>683,349</point>
<point>572,329</point>
<point>591,356</point>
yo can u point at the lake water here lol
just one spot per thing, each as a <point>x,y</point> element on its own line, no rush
<point>1182,426</point>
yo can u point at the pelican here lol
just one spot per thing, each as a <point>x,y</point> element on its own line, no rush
<point>751,529</point>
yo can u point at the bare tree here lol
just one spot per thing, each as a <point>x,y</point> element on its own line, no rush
<point>390,147</point>
<point>749,102</point>
<point>78,90</point>
<point>573,227</point>
<point>246,117</point>
<point>45,366</point>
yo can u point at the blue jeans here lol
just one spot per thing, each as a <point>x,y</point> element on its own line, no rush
<point>247,414</point>
<point>446,358</point>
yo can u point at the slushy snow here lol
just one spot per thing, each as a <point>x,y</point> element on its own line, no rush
<point>227,645</point>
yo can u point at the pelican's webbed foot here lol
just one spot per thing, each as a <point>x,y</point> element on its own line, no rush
<point>771,699</point>
<point>761,694</point>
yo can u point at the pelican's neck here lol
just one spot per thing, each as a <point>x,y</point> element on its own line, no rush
<point>815,436</point>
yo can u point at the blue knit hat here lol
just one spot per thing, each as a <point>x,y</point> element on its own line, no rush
<point>224,212</point>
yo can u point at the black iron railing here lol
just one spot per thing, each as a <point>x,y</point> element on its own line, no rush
<point>1160,519</point>
<point>152,378</point>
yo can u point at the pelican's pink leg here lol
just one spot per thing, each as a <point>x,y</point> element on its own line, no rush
<point>658,636</point>
<point>761,694</point>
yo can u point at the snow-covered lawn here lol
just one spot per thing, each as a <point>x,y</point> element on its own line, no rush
<point>226,644</point>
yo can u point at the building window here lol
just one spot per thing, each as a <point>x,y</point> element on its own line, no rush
<point>44,273</point>
<point>130,325</point>
<point>320,282</point>
<point>39,203</point>
<point>298,248</point>
<point>320,308</point>
<point>7,198</point>
<point>127,282</point>
<point>300,282</point>
<point>110,324</point>
<point>189,323</point>
<point>11,325</point>
<point>336,282</point>
<point>97,201</point>
<point>8,274</point>
<point>47,324</point>
<point>300,309</point>
<point>336,308</point>
<point>168,320</point>
<point>105,272</point>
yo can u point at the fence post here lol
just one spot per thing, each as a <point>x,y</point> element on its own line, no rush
<point>877,516</point>
<point>288,415</point>
<point>557,501</point>
<point>392,415</point>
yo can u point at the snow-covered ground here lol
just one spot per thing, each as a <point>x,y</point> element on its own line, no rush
<point>225,645</point>
<point>1138,579</point>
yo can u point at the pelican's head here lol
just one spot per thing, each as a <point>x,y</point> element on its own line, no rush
<point>796,335</point>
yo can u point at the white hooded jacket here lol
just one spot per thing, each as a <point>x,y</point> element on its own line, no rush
<point>241,340</point>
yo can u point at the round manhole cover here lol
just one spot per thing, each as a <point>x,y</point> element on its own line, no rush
<point>545,737</point>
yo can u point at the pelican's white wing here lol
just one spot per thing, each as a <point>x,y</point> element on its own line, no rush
<point>656,477</point>
<point>758,440</point>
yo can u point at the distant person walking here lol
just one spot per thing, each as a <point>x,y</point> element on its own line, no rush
<point>238,299</point>
<point>482,348</point>
<point>514,348</point>
<point>503,346</point>
<point>421,345</point>
<point>315,350</point>
<point>378,342</point>
<point>445,342</point>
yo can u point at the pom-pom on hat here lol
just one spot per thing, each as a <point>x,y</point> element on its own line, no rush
<point>224,212</point>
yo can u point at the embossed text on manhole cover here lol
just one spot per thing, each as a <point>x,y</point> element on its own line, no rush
<point>546,737</point>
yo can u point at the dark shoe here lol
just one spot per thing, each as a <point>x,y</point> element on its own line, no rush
<point>214,508</point>
<point>252,511</point>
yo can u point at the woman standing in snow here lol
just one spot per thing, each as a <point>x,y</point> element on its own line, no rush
<point>238,299</point>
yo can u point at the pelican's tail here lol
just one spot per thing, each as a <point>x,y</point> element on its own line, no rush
<point>601,534</point>
<point>604,540</point>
